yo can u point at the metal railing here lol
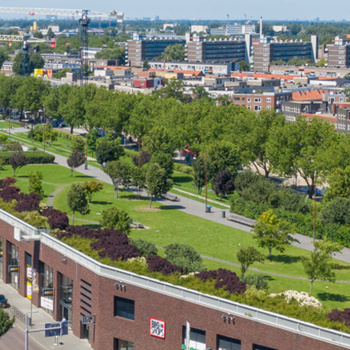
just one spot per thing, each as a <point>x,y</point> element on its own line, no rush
<point>189,295</point>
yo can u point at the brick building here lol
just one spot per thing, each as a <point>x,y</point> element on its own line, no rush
<point>131,311</point>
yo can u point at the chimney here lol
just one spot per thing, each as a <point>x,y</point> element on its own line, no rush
<point>261,29</point>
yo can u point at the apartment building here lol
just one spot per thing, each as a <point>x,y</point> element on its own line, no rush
<point>267,51</point>
<point>339,54</point>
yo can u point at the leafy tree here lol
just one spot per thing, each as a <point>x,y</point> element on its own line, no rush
<point>184,256</point>
<point>146,65</point>
<point>77,199</point>
<point>92,187</point>
<point>272,232</point>
<point>3,57</point>
<point>117,53</point>
<point>75,160</point>
<point>141,159</point>
<point>173,88</point>
<point>165,161</point>
<point>243,66</point>
<point>17,160</point>
<point>5,322</point>
<point>78,144</point>
<point>92,138</point>
<point>107,151</point>
<point>38,35</point>
<point>339,184</point>
<point>305,147</point>
<point>35,183</point>
<point>336,212</point>
<point>199,173</point>
<point>145,248</point>
<point>120,173</point>
<point>319,265</point>
<point>321,63</point>
<point>116,219</point>
<point>258,280</point>
<point>50,34</point>
<point>247,257</point>
<point>17,67</point>
<point>35,62</point>
<point>223,183</point>
<point>8,86</point>
<point>157,182</point>
<point>138,178</point>
<point>159,139</point>
<point>174,53</point>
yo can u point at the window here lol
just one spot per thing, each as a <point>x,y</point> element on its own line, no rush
<point>260,347</point>
<point>257,108</point>
<point>248,99</point>
<point>225,343</point>
<point>124,308</point>
<point>197,338</point>
<point>268,100</point>
<point>257,100</point>
<point>120,344</point>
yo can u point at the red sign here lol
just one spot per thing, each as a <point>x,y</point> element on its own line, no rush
<point>157,328</point>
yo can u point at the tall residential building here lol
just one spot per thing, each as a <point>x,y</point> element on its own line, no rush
<point>267,51</point>
<point>140,49</point>
<point>216,51</point>
<point>234,29</point>
<point>339,53</point>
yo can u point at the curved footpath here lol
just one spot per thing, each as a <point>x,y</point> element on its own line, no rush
<point>193,207</point>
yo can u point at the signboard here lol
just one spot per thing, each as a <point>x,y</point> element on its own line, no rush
<point>43,73</point>
<point>56,329</point>
<point>13,268</point>
<point>46,292</point>
<point>157,328</point>
<point>46,303</point>
<point>35,286</point>
<point>87,319</point>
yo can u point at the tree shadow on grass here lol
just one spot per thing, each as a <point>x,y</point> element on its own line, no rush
<point>332,297</point>
<point>285,259</point>
<point>171,207</point>
<point>101,202</point>
<point>340,267</point>
<point>183,179</point>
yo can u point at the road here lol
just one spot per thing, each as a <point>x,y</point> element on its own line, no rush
<point>14,340</point>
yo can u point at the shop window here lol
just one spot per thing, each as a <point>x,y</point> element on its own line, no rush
<point>120,344</point>
<point>197,339</point>
<point>225,343</point>
<point>260,347</point>
<point>124,308</point>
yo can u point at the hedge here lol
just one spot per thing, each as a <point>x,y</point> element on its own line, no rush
<point>35,157</point>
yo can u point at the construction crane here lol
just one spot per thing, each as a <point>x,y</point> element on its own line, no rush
<point>61,12</point>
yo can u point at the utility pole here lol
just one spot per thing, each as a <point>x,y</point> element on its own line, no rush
<point>206,181</point>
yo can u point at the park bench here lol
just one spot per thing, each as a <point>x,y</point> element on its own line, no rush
<point>171,197</point>
<point>241,219</point>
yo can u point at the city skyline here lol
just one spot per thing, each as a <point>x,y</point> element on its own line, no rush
<point>189,9</point>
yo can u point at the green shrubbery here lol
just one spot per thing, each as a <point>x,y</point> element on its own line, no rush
<point>35,157</point>
<point>256,194</point>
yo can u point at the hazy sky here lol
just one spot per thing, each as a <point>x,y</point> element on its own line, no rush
<point>204,9</point>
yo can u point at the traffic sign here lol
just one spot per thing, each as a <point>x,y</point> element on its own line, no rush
<point>56,329</point>
<point>87,319</point>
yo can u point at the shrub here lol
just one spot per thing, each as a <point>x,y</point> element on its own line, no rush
<point>145,248</point>
<point>184,256</point>
<point>224,279</point>
<point>257,280</point>
<point>28,202</point>
<point>14,146</point>
<point>340,316</point>
<point>117,219</point>
<point>144,156</point>
<point>56,218</point>
<point>162,265</point>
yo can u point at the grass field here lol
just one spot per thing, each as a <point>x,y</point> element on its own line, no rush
<point>166,225</point>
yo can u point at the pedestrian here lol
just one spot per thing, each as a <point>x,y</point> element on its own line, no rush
<point>104,164</point>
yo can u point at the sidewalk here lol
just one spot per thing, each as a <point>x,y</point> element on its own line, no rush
<point>40,317</point>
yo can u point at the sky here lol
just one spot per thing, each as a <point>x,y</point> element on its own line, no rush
<point>281,10</point>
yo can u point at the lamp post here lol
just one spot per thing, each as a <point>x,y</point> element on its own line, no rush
<point>206,181</point>
<point>86,152</point>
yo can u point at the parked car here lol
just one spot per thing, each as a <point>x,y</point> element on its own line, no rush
<point>3,301</point>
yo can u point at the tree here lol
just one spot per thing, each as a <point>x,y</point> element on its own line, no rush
<point>3,57</point>
<point>247,257</point>
<point>145,248</point>
<point>159,139</point>
<point>319,265</point>
<point>50,34</point>
<point>243,66</point>
<point>38,35</point>
<point>35,62</point>
<point>92,187</point>
<point>174,53</point>
<point>75,160</point>
<point>138,178</point>
<point>17,160</point>
<point>5,322</point>
<point>107,151</point>
<point>116,219</point>
<point>339,184</point>
<point>199,173</point>
<point>165,161</point>
<point>146,65</point>
<point>223,183</point>
<point>77,199</point>
<point>184,256</point>
<point>120,173</point>
<point>141,159</point>
<point>78,144</point>
<point>173,88</point>
<point>17,67</point>
<point>306,147</point>
<point>92,138</point>
<point>157,182</point>
<point>272,232</point>
<point>35,183</point>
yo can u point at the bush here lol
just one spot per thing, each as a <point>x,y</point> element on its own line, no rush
<point>57,219</point>
<point>184,256</point>
<point>224,279</point>
<point>145,248</point>
<point>116,219</point>
<point>340,316</point>
<point>28,202</point>
<point>34,157</point>
<point>144,156</point>
<point>258,280</point>
<point>162,265</point>
<point>14,146</point>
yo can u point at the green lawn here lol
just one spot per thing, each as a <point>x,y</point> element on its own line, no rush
<point>5,125</point>
<point>167,225</point>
